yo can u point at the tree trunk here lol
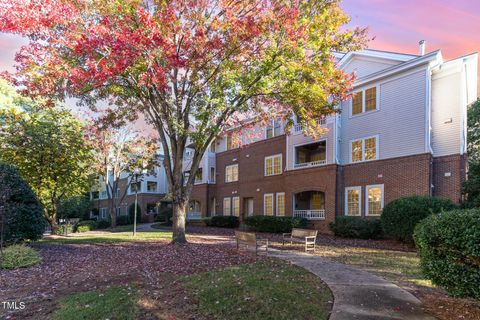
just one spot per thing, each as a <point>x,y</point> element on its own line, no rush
<point>179,215</point>
<point>113,217</point>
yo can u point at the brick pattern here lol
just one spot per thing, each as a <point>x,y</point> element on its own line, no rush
<point>449,174</point>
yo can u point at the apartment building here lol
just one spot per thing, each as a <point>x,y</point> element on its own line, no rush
<point>402,133</point>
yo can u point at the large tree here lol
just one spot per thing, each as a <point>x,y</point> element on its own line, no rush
<point>49,149</point>
<point>119,152</point>
<point>191,67</point>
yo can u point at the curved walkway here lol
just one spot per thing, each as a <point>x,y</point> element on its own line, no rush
<point>358,294</point>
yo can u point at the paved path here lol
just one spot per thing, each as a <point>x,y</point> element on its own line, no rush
<point>358,294</point>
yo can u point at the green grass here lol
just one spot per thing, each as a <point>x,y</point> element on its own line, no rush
<point>108,238</point>
<point>19,256</point>
<point>396,266</point>
<point>262,290</point>
<point>115,303</point>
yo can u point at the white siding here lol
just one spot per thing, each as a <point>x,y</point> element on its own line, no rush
<point>364,66</point>
<point>399,122</point>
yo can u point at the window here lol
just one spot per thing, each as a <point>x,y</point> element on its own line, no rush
<point>199,175</point>
<point>365,149</point>
<point>353,201</point>
<point>364,101</point>
<point>194,206</point>
<point>186,175</point>
<point>357,102</point>
<point>236,206</point>
<point>268,204</point>
<point>117,193</point>
<point>371,99</point>
<point>211,177</point>
<point>231,173</point>
<point>103,213</point>
<point>117,211</point>
<point>151,186</point>
<point>213,210</point>
<point>95,195</point>
<point>226,206</point>
<point>135,187</point>
<point>104,194</point>
<point>213,146</point>
<point>374,201</point>
<point>273,165</point>
<point>273,129</point>
<point>280,204</point>
<point>231,144</point>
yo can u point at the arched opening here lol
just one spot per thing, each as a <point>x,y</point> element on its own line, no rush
<point>309,204</point>
<point>194,210</point>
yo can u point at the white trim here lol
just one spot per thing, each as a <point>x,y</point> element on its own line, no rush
<point>364,97</point>
<point>276,203</point>
<point>273,166</point>
<point>377,148</point>
<point>233,206</point>
<point>359,201</point>
<point>229,206</point>
<point>226,175</point>
<point>103,213</point>
<point>381,186</point>
<point>375,54</point>
<point>265,195</point>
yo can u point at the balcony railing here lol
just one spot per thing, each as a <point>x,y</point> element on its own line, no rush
<point>310,214</point>
<point>194,215</point>
<point>310,164</point>
<point>298,127</point>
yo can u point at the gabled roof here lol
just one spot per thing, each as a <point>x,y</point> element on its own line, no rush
<point>370,53</point>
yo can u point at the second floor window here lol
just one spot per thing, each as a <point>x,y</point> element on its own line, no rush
<point>103,194</point>
<point>199,175</point>
<point>231,173</point>
<point>211,176</point>
<point>364,101</point>
<point>365,149</point>
<point>273,130</point>
<point>95,195</point>
<point>273,165</point>
<point>151,186</point>
<point>231,142</point>
<point>135,187</point>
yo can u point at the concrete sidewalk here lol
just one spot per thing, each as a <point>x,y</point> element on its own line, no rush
<point>358,294</point>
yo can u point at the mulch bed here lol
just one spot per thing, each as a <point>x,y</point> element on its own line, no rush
<point>74,268</point>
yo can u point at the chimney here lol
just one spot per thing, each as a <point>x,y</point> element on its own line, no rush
<point>421,47</point>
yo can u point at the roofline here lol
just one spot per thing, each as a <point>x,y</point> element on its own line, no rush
<point>435,55</point>
<point>376,54</point>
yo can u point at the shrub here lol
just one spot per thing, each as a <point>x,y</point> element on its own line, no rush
<point>356,227</point>
<point>275,224</point>
<point>131,212</point>
<point>23,214</point>
<point>222,221</point>
<point>19,256</point>
<point>449,250</point>
<point>123,220</point>
<point>103,224</point>
<point>86,225</point>
<point>64,229</point>
<point>400,216</point>
<point>74,207</point>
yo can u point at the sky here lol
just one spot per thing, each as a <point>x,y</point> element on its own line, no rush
<point>394,25</point>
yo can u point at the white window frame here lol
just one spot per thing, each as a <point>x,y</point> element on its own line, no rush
<point>272,126</point>
<point>276,203</point>
<point>229,200</point>
<point>381,186</point>
<point>377,147</point>
<point>364,104</point>
<point>233,206</point>
<point>103,213</point>
<point>264,204</point>
<point>118,211</point>
<point>226,175</point>
<point>346,213</point>
<point>273,165</point>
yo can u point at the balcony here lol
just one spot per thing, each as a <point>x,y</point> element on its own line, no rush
<point>310,214</point>
<point>310,155</point>
<point>298,127</point>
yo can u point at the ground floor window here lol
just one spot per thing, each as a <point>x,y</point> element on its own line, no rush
<point>280,204</point>
<point>374,201</point>
<point>226,206</point>
<point>236,206</point>
<point>353,201</point>
<point>103,213</point>
<point>117,211</point>
<point>194,206</point>
<point>268,204</point>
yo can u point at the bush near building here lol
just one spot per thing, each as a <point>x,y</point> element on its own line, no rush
<point>400,216</point>
<point>357,227</point>
<point>86,225</point>
<point>449,250</point>
<point>222,221</point>
<point>275,224</point>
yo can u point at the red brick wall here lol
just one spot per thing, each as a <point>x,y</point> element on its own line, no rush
<point>400,176</point>
<point>449,174</point>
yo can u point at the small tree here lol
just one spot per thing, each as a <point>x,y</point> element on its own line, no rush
<point>21,213</point>
<point>118,153</point>
<point>472,185</point>
<point>192,68</point>
<point>50,151</point>
<point>74,207</point>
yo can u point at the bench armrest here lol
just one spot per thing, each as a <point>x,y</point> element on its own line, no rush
<point>311,237</point>
<point>262,241</point>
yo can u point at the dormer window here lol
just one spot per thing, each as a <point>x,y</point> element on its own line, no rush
<point>364,101</point>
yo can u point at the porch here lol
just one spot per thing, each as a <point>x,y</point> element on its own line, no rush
<point>309,205</point>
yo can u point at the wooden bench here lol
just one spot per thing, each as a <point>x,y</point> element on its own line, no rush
<point>306,236</point>
<point>248,239</point>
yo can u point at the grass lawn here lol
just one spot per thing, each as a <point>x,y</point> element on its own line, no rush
<point>107,237</point>
<point>118,302</point>
<point>268,289</point>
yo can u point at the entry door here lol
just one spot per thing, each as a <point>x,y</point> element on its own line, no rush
<point>249,207</point>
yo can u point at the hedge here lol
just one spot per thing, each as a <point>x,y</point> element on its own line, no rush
<point>275,224</point>
<point>123,220</point>
<point>222,221</point>
<point>356,227</point>
<point>449,249</point>
<point>103,224</point>
<point>400,216</point>
<point>86,225</point>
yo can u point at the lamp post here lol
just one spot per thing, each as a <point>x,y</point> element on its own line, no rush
<point>136,173</point>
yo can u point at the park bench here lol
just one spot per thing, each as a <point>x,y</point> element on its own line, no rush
<point>248,239</point>
<point>305,236</point>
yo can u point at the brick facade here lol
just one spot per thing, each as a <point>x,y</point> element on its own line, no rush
<point>449,173</point>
